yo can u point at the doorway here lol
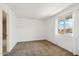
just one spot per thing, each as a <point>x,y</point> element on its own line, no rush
<point>4,33</point>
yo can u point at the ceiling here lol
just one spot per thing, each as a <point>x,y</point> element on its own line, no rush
<point>37,10</point>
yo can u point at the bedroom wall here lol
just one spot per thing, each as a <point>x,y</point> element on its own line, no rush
<point>30,29</point>
<point>66,41</point>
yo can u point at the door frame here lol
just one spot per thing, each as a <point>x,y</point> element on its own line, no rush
<point>6,30</point>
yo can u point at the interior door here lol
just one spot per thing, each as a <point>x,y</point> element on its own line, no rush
<point>4,32</point>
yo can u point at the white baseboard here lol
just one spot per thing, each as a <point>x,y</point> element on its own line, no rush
<point>22,41</point>
<point>61,47</point>
<point>12,47</point>
<point>31,40</point>
<point>0,52</point>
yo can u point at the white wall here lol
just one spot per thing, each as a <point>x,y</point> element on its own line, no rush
<point>11,30</point>
<point>0,32</point>
<point>77,31</point>
<point>30,29</point>
<point>66,41</point>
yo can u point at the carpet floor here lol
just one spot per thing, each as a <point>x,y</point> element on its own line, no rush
<point>38,48</point>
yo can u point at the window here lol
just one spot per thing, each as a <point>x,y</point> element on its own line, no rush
<point>61,25</point>
<point>65,24</point>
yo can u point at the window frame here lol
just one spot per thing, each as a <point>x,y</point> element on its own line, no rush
<point>64,18</point>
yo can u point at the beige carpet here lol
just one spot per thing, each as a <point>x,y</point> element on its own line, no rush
<point>38,48</point>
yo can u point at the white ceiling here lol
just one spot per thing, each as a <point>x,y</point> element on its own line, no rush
<point>37,10</point>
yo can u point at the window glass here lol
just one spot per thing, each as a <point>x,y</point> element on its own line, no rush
<point>68,25</point>
<point>65,24</point>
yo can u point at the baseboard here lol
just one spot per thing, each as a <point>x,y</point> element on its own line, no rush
<point>0,51</point>
<point>33,40</point>
<point>12,47</point>
<point>24,41</point>
<point>60,46</point>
